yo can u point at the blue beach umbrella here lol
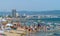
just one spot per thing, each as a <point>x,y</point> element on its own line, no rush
<point>42,24</point>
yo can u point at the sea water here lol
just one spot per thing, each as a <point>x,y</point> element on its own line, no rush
<point>46,20</point>
<point>55,33</point>
<point>46,34</point>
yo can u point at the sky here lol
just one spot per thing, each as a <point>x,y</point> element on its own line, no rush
<point>29,5</point>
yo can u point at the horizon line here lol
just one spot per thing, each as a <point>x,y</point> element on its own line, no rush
<point>29,10</point>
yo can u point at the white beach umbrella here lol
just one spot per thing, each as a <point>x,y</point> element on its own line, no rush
<point>4,20</point>
<point>49,23</point>
<point>9,24</point>
<point>43,22</point>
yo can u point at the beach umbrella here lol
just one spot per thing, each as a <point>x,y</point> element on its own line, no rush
<point>43,22</point>
<point>49,23</point>
<point>9,24</point>
<point>35,22</point>
<point>4,20</point>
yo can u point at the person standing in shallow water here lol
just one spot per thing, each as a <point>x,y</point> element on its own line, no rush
<point>15,27</point>
<point>38,26</point>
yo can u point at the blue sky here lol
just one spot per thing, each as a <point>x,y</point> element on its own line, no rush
<point>30,5</point>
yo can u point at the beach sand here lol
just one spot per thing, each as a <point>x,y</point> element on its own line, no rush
<point>12,33</point>
<point>20,32</point>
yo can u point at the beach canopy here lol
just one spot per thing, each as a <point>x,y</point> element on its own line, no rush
<point>9,24</point>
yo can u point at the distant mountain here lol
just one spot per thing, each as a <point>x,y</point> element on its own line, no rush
<point>5,13</point>
<point>54,12</point>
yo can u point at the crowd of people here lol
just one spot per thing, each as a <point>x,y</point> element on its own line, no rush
<point>35,28</point>
<point>31,29</point>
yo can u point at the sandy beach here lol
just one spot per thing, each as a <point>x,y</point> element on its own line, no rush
<point>18,32</point>
<point>14,33</point>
